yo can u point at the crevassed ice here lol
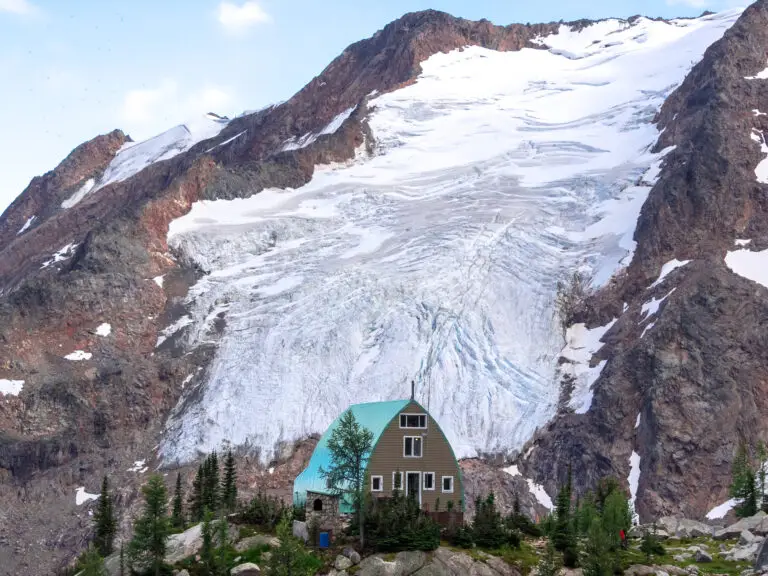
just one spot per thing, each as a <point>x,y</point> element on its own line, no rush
<point>496,175</point>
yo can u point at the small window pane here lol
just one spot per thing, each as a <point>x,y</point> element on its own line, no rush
<point>448,484</point>
<point>423,421</point>
<point>429,481</point>
<point>417,446</point>
<point>408,446</point>
<point>376,484</point>
<point>403,420</point>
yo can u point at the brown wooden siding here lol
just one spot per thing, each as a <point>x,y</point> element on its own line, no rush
<point>437,457</point>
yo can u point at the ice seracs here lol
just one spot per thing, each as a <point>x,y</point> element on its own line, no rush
<point>495,175</point>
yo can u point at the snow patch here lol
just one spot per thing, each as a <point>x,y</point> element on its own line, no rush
<point>634,481</point>
<point>64,253</point>
<point>104,330</point>
<point>637,421</point>
<point>158,280</point>
<point>81,496</point>
<point>11,387</point>
<point>667,269</point>
<point>309,138</point>
<point>182,322</point>
<point>652,306</point>
<point>187,380</point>
<point>761,171</point>
<point>78,355</point>
<point>721,510</point>
<point>139,467</point>
<point>743,242</point>
<point>762,75</point>
<point>537,490</point>
<point>271,470</point>
<point>581,344</point>
<point>26,226</point>
<point>751,265</point>
<point>133,159</point>
<point>227,141</point>
<point>648,327</point>
<point>80,194</point>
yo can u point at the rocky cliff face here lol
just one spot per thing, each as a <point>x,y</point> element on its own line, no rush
<point>88,286</point>
<point>685,384</point>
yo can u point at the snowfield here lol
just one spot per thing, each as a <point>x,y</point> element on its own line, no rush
<point>437,259</point>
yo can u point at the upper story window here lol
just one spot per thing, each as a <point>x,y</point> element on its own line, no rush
<point>412,446</point>
<point>413,421</point>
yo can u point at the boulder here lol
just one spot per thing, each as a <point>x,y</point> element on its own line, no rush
<point>352,554</point>
<point>743,553</point>
<point>342,563</point>
<point>410,562</point>
<point>757,524</point>
<point>673,570</point>
<point>761,562</point>
<point>681,557</point>
<point>746,537</point>
<point>181,573</point>
<point>255,541</point>
<point>187,543</point>
<point>701,556</point>
<point>247,569</point>
<point>300,530</point>
<point>639,570</point>
<point>376,566</point>
<point>640,530</point>
<point>692,529</point>
<point>693,570</point>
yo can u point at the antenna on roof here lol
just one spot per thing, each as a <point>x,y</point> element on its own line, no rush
<point>413,389</point>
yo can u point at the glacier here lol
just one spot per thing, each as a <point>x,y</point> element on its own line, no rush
<point>437,258</point>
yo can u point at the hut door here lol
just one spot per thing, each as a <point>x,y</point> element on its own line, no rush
<point>413,485</point>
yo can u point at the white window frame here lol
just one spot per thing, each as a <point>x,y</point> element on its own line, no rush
<point>426,421</point>
<point>405,489</point>
<point>420,439</point>
<point>424,481</point>
<point>402,488</point>
<point>442,485</point>
<point>381,484</point>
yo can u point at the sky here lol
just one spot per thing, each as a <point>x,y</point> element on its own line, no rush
<point>70,70</point>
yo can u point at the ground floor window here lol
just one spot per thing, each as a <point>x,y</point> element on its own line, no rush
<point>429,480</point>
<point>377,483</point>
<point>397,480</point>
<point>448,484</point>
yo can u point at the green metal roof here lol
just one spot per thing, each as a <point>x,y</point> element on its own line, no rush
<point>375,416</point>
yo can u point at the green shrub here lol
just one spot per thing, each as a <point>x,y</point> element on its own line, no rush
<point>397,523</point>
<point>263,511</point>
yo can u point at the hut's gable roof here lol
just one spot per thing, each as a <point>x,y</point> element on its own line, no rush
<point>375,416</point>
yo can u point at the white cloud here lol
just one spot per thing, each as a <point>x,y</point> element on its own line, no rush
<point>691,3</point>
<point>148,111</point>
<point>237,19</point>
<point>21,7</point>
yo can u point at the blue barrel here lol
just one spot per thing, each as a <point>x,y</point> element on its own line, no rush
<point>325,540</point>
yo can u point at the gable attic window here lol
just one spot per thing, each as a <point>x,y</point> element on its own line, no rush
<point>412,446</point>
<point>413,421</point>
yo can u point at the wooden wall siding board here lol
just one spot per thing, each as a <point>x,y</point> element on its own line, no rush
<point>437,458</point>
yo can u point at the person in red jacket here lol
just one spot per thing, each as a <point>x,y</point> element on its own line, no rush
<point>623,538</point>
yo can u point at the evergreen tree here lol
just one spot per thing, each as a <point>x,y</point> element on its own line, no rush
<point>563,536</point>
<point>350,447</point>
<point>91,563</point>
<point>122,561</point>
<point>229,485</point>
<point>210,482</point>
<point>650,544</point>
<point>105,521</point>
<point>177,516</point>
<point>762,471</point>
<point>550,562</point>
<point>743,484</point>
<point>207,552</point>
<point>196,497</point>
<point>617,516</point>
<point>147,549</point>
<point>288,558</point>
<point>595,559</point>
<point>488,529</point>
<point>586,514</point>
